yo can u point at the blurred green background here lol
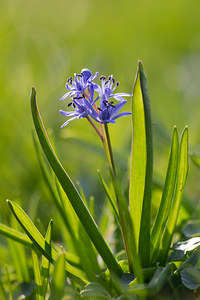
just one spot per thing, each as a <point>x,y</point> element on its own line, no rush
<point>42,43</point>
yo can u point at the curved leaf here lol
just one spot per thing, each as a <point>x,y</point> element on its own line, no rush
<point>72,193</point>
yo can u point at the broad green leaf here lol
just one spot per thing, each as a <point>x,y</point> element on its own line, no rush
<point>160,277</point>
<point>39,242</point>
<point>192,261</point>
<point>141,166</point>
<point>37,275</point>
<point>167,196</point>
<point>174,210</point>
<point>45,265</point>
<point>95,290</point>
<point>191,228</point>
<point>58,278</point>
<point>190,277</point>
<point>72,193</point>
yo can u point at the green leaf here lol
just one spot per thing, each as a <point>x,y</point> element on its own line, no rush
<point>190,278</point>
<point>191,228</point>
<point>196,159</point>
<point>2,291</point>
<point>112,202</point>
<point>15,235</point>
<point>94,289</point>
<point>167,196</point>
<point>141,166</point>
<point>160,277</point>
<point>45,266</point>
<point>49,181</point>
<point>174,210</point>
<point>58,279</point>
<point>18,254</point>
<point>72,193</point>
<point>128,232</point>
<point>39,242</point>
<point>37,275</point>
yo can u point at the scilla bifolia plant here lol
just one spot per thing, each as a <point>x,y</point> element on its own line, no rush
<point>144,271</point>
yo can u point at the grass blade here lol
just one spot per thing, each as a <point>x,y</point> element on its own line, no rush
<point>15,235</point>
<point>40,243</point>
<point>112,202</point>
<point>37,275</point>
<point>2,291</point>
<point>141,166</point>
<point>58,279</point>
<point>72,193</point>
<point>167,196</point>
<point>45,266</point>
<point>180,183</point>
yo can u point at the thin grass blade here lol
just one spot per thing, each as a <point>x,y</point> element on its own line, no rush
<point>37,276</point>
<point>58,279</point>
<point>40,243</point>
<point>180,183</point>
<point>2,291</point>
<point>112,202</point>
<point>167,196</point>
<point>72,193</point>
<point>45,265</point>
<point>15,235</point>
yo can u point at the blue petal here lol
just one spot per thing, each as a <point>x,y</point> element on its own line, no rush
<point>122,114</point>
<point>67,122</point>
<point>68,113</point>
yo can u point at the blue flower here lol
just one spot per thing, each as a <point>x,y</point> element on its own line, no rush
<point>106,90</point>
<point>82,91</point>
<point>81,82</point>
<point>108,112</point>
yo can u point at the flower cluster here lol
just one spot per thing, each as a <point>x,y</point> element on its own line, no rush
<point>82,92</point>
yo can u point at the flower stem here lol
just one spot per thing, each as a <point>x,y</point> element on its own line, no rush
<point>96,129</point>
<point>110,148</point>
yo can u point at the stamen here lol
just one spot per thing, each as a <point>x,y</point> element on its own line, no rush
<point>113,105</point>
<point>99,108</point>
<point>117,83</point>
<point>106,81</point>
<point>106,104</point>
<point>102,77</point>
<point>113,80</point>
<point>69,80</point>
<point>78,98</point>
<point>74,106</point>
<point>69,104</point>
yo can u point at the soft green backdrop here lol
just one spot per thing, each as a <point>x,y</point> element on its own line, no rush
<point>42,43</point>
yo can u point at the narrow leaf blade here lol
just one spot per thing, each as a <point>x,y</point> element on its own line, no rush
<point>72,193</point>
<point>180,183</point>
<point>167,196</point>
